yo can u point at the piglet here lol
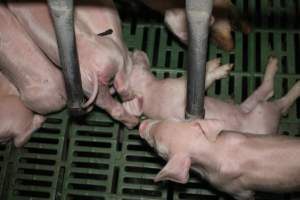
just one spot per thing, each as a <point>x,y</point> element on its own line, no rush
<point>234,162</point>
<point>40,84</point>
<point>17,122</point>
<point>163,99</point>
<point>166,99</point>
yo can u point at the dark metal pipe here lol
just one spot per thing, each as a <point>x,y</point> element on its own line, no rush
<point>198,17</point>
<point>62,12</point>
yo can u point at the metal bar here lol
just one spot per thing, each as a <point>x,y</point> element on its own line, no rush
<point>62,12</point>
<point>198,17</point>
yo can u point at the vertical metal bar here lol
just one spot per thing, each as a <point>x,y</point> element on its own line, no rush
<point>62,12</point>
<point>198,17</point>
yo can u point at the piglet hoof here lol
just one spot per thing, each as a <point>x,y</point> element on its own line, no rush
<point>212,64</point>
<point>273,60</point>
<point>226,69</point>
<point>268,81</point>
<point>223,71</point>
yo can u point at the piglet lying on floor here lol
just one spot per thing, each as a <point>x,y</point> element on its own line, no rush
<point>17,122</point>
<point>165,99</point>
<point>233,162</point>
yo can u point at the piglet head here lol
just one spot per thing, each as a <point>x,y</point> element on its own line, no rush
<point>139,77</point>
<point>177,142</point>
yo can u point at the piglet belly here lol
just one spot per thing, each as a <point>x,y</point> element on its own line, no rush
<point>227,112</point>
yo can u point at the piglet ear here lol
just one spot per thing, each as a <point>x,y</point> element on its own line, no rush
<point>177,169</point>
<point>210,128</point>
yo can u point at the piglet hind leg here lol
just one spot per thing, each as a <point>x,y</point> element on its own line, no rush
<point>265,90</point>
<point>266,114</point>
<point>288,100</point>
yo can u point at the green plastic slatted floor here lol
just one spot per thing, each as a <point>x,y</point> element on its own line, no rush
<point>101,160</point>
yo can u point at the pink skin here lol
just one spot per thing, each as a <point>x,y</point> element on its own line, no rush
<point>17,121</point>
<point>6,88</point>
<point>103,57</point>
<point>21,61</point>
<point>225,19</point>
<point>233,162</point>
<point>106,11</point>
<point>163,99</point>
<point>253,162</point>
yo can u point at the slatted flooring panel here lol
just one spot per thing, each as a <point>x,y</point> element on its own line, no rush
<point>36,170</point>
